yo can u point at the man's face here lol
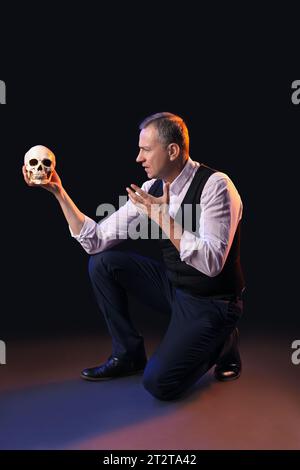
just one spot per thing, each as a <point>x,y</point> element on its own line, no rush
<point>153,154</point>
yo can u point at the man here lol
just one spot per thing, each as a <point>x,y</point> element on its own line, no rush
<point>200,281</point>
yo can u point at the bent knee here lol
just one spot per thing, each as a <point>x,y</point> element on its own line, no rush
<point>158,387</point>
<point>100,261</point>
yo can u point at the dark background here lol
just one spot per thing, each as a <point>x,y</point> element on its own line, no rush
<point>80,80</point>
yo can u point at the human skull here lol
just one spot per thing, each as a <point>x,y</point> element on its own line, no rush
<point>39,163</point>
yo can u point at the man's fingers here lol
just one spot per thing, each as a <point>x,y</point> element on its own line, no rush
<point>136,197</point>
<point>24,172</point>
<point>136,203</point>
<point>25,175</point>
<point>137,200</point>
<point>139,190</point>
<point>166,191</point>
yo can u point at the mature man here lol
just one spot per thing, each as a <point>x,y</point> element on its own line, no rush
<point>198,212</point>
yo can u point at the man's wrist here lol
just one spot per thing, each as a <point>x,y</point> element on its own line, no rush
<point>170,226</point>
<point>60,193</point>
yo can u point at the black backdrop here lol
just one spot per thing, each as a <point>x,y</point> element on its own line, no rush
<point>81,88</point>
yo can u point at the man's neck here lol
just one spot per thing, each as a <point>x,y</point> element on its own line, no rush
<point>175,172</point>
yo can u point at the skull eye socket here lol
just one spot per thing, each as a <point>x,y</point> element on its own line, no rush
<point>33,162</point>
<point>47,162</point>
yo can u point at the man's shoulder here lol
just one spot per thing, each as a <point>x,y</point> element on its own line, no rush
<point>219,177</point>
<point>220,182</point>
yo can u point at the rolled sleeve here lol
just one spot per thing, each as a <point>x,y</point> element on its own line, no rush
<point>87,228</point>
<point>96,237</point>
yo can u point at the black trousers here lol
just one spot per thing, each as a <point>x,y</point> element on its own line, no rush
<point>196,333</point>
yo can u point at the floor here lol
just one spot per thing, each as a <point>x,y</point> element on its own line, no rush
<point>45,405</point>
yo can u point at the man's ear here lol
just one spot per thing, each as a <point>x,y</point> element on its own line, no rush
<point>174,151</point>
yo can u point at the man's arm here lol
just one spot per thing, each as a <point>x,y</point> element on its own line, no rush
<point>93,237</point>
<point>96,237</point>
<point>221,211</point>
<point>73,215</point>
<point>172,229</point>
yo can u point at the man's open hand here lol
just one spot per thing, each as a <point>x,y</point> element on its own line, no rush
<point>152,206</point>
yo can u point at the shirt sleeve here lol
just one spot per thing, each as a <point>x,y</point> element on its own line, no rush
<point>220,212</point>
<point>96,237</point>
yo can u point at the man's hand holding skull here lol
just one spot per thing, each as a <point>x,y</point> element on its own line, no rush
<point>39,169</point>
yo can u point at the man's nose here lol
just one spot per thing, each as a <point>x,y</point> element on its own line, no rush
<point>139,157</point>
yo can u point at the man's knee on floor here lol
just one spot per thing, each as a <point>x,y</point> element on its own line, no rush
<point>157,386</point>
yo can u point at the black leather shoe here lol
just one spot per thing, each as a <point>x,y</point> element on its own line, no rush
<point>113,368</point>
<point>229,364</point>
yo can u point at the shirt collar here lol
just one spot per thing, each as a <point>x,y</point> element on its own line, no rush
<point>179,182</point>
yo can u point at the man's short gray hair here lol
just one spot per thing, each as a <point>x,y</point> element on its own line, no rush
<point>171,129</point>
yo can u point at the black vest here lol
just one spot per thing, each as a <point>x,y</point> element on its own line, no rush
<point>229,282</point>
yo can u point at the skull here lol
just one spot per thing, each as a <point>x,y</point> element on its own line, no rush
<point>39,163</point>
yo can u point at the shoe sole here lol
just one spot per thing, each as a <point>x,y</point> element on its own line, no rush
<point>103,379</point>
<point>227,379</point>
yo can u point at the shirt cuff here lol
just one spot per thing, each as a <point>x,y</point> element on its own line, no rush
<point>88,227</point>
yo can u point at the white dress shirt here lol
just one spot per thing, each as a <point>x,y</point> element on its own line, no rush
<point>220,212</point>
